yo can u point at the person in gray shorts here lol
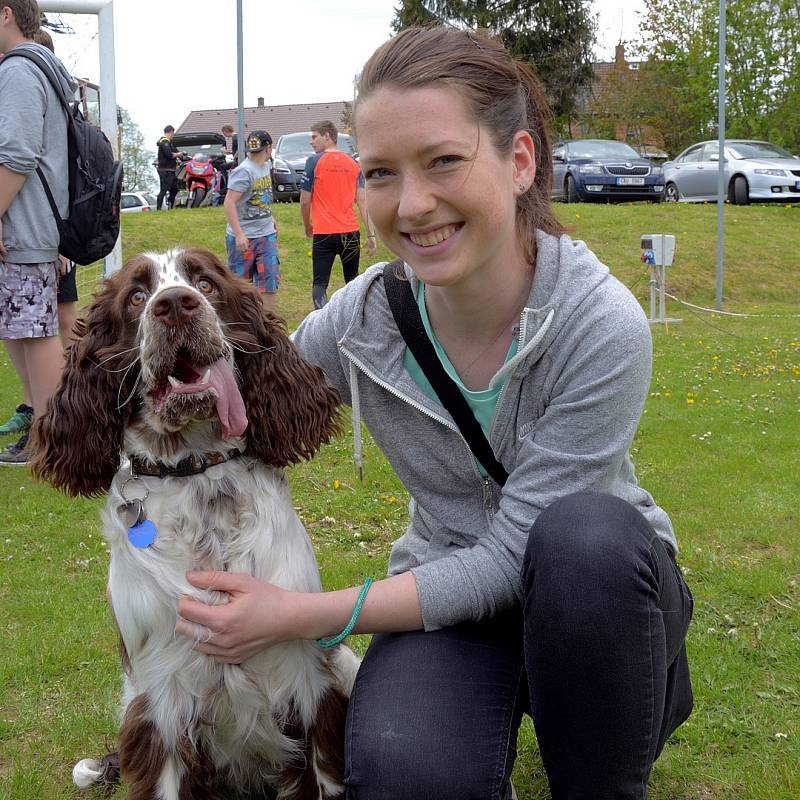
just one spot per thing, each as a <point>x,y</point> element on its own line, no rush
<point>33,133</point>
<point>21,419</point>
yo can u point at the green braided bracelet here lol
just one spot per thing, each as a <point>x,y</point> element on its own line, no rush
<point>332,641</point>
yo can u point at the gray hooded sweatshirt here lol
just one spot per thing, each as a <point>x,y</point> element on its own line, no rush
<point>564,422</point>
<point>33,132</point>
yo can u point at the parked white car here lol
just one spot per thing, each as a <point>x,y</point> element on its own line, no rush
<point>754,171</point>
<point>136,201</point>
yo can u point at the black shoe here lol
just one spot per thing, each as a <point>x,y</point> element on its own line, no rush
<point>16,454</point>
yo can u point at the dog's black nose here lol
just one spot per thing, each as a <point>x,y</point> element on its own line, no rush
<point>176,305</point>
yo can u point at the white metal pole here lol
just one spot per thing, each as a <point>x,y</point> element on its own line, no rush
<point>653,284</point>
<point>721,174</point>
<point>108,108</point>
<point>242,144</point>
<point>73,6</point>
<point>104,9</point>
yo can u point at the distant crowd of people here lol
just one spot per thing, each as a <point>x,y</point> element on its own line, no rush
<point>331,190</point>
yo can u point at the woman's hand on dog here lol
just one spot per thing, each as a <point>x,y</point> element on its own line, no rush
<point>237,630</point>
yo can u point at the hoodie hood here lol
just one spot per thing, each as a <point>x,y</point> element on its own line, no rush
<point>566,274</point>
<point>66,81</point>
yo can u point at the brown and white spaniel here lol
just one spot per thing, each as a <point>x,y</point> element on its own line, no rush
<point>184,400</point>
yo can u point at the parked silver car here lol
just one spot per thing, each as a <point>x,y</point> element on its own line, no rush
<point>136,201</point>
<point>754,171</point>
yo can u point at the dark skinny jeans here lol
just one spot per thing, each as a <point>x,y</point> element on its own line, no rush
<point>596,657</point>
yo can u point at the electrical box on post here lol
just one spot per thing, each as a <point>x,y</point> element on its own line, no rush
<point>660,247</point>
<point>658,252</point>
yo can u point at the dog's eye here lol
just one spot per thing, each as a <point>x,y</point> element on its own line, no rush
<point>205,286</point>
<point>137,298</point>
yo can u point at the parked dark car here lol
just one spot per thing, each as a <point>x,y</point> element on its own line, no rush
<point>289,162</point>
<point>753,171</point>
<point>192,144</point>
<point>604,169</point>
<point>203,142</point>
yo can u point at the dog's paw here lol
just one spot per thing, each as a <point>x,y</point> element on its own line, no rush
<point>93,771</point>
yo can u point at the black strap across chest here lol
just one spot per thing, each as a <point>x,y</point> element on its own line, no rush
<point>409,323</point>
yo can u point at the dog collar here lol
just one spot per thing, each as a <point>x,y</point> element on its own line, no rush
<point>191,465</point>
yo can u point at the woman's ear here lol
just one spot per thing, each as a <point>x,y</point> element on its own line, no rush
<point>523,152</point>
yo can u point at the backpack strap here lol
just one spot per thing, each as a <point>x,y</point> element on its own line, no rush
<point>46,69</point>
<point>409,322</point>
<point>30,55</point>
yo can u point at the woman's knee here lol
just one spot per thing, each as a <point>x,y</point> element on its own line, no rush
<point>587,528</point>
<point>585,550</point>
<point>433,715</point>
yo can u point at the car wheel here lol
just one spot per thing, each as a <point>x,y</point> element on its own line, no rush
<point>671,194</point>
<point>570,191</point>
<point>741,191</point>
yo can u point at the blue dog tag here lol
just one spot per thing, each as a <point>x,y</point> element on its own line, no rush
<point>142,534</point>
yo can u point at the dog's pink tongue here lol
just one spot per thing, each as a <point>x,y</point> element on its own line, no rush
<point>230,406</point>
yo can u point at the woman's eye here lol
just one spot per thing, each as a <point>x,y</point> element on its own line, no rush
<point>205,286</point>
<point>137,298</point>
<point>446,161</point>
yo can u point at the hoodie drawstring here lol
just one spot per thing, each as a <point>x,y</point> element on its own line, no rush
<point>356,410</point>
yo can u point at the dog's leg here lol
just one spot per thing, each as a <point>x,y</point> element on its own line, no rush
<point>320,773</point>
<point>344,664</point>
<point>327,743</point>
<point>144,760</point>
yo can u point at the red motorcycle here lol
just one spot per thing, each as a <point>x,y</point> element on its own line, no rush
<point>198,174</point>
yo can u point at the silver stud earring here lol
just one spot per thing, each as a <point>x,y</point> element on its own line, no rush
<point>522,187</point>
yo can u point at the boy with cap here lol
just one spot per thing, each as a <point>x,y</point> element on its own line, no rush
<point>251,236</point>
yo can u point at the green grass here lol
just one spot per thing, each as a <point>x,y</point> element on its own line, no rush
<point>717,447</point>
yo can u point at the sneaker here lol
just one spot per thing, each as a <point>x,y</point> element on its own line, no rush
<point>20,421</point>
<point>16,454</point>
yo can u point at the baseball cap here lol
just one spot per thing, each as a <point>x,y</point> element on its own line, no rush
<point>258,140</point>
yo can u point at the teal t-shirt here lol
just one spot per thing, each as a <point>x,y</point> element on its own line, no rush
<point>482,403</point>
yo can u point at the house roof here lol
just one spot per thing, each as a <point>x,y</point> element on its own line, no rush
<point>275,119</point>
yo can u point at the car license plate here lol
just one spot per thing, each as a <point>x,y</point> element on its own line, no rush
<point>630,181</point>
<point>797,186</point>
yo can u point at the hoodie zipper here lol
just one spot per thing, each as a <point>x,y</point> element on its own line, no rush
<point>487,493</point>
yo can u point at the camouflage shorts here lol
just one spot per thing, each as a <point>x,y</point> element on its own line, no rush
<point>28,305</point>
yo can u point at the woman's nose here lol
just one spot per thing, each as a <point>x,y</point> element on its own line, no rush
<point>417,198</point>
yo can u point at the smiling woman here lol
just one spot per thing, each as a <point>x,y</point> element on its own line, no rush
<point>553,591</point>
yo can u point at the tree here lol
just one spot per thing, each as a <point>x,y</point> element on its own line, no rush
<point>411,13</point>
<point>137,161</point>
<point>680,38</point>
<point>554,36</point>
<point>347,117</point>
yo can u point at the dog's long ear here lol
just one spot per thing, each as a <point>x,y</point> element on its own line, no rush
<point>77,441</point>
<point>290,408</point>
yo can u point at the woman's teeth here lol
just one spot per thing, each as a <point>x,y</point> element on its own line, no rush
<point>433,237</point>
